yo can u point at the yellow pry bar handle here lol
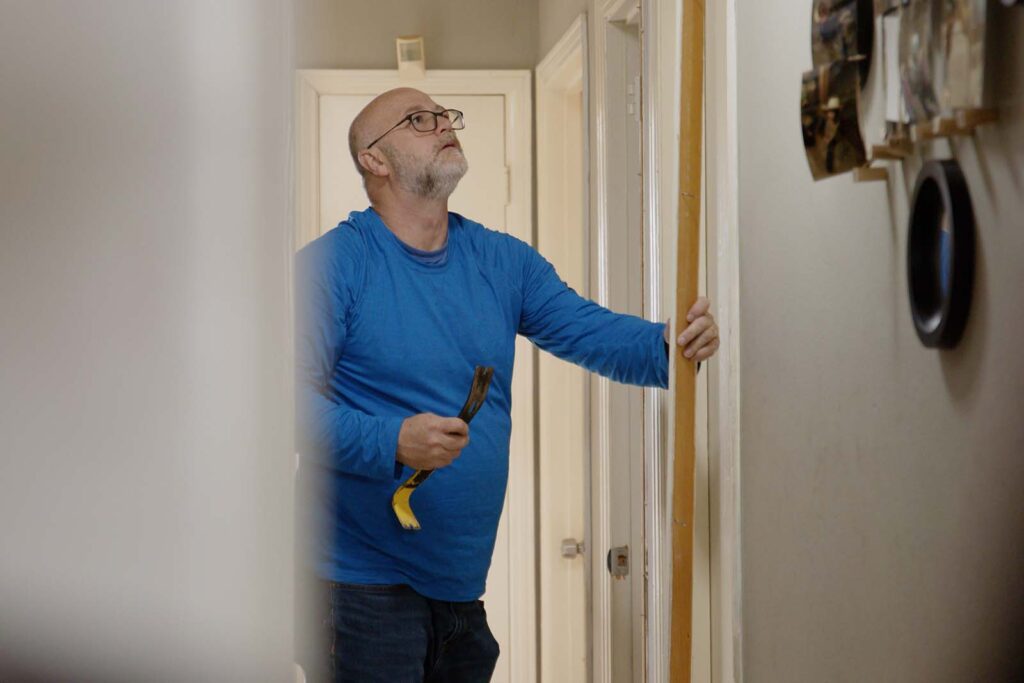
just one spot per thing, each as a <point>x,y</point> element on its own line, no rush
<point>400,501</point>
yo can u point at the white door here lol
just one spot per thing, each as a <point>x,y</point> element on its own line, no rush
<point>483,195</point>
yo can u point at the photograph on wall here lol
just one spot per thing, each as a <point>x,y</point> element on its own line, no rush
<point>883,7</point>
<point>963,47</point>
<point>829,117</point>
<point>895,105</point>
<point>920,59</point>
<point>897,133</point>
<point>842,29</point>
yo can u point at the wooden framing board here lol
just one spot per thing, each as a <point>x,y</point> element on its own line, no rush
<point>691,137</point>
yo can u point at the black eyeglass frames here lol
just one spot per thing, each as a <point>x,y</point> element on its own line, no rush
<point>425,121</point>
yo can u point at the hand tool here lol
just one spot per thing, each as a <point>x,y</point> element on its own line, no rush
<point>400,502</point>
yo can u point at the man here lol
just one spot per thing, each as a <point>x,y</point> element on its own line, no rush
<point>396,307</point>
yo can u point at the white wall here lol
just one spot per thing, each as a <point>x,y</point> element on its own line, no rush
<point>883,529</point>
<point>459,34</point>
<point>145,412</point>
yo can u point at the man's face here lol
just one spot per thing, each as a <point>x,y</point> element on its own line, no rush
<point>427,164</point>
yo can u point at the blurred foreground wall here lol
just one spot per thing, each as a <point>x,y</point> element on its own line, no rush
<point>145,411</point>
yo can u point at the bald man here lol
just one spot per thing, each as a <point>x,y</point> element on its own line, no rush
<point>396,307</point>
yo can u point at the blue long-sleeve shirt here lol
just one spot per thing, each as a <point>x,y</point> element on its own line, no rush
<point>383,336</point>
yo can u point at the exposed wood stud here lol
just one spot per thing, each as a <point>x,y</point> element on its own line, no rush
<point>691,137</point>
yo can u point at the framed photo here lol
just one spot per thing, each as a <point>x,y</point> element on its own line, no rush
<point>895,104</point>
<point>829,118</point>
<point>842,30</point>
<point>942,56</point>
<point>884,7</point>
<point>920,58</point>
<point>962,37</point>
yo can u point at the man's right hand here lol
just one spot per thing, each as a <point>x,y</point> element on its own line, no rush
<point>429,442</point>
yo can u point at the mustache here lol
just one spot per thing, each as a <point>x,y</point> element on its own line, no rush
<point>449,141</point>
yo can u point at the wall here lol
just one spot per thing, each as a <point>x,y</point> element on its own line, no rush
<point>883,529</point>
<point>459,34</point>
<point>145,415</point>
<point>553,20</point>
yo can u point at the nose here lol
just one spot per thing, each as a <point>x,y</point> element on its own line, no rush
<point>444,125</point>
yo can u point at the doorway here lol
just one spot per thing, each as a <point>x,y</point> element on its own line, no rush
<point>496,192</point>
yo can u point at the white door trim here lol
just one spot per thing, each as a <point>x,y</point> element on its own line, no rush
<point>515,87</point>
<point>600,532</point>
<point>723,664</point>
<point>722,210</point>
<point>716,618</point>
<point>660,129</point>
<point>561,77</point>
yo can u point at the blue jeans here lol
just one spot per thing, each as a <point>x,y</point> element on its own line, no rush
<point>393,634</point>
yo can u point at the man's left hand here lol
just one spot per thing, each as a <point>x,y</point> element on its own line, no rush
<point>700,338</point>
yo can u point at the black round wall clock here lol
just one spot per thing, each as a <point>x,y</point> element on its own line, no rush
<point>940,254</point>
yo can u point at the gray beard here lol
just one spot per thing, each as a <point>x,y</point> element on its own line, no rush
<point>436,179</point>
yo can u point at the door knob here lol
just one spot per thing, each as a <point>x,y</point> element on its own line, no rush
<point>571,547</point>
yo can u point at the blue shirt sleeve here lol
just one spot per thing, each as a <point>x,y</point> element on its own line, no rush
<point>328,432</point>
<point>622,347</point>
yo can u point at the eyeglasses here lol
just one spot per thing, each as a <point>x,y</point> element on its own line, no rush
<point>426,122</point>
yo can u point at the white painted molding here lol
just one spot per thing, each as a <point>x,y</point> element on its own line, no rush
<point>715,585</point>
<point>658,18</point>
<point>621,10</point>
<point>561,79</point>
<point>516,88</point>
<point>559,64</point>
<point>724,436</point>
<point>307,162</point>
<point>600,529</point>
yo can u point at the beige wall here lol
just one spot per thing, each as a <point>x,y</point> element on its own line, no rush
<point>882,502</point>
<point>459,34</point>
<point>553,19</point>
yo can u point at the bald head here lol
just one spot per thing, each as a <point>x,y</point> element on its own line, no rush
<point>419,163</point>
<point>380,114</point>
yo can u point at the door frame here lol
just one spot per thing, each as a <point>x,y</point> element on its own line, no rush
<point>717,625</point>
<point>660,70</point>
<point>515,87</point>
<point>563,441</point>
<point>602,192</point>
<point>722,211</point>
<point>717,622</point>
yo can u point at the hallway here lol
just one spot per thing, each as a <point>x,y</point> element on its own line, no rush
<point>858,514</point>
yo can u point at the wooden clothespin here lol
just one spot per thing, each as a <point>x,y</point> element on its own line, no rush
<point>892,150</point>
<point>867,174</point>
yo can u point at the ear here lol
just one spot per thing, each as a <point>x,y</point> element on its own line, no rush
<point>373,162</point>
